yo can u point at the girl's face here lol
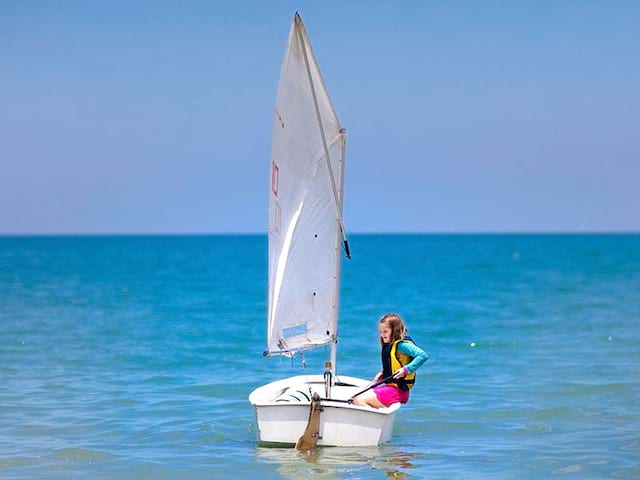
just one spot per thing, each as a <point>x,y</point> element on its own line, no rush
<point>385,332</point>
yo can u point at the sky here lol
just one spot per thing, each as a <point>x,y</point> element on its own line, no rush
<point>462,116</point>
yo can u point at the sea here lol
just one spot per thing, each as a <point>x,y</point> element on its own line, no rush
<point>132,357</point>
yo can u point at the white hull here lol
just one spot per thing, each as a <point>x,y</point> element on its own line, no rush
<point>282,411</point>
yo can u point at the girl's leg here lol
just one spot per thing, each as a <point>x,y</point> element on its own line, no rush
<point>368,398</point>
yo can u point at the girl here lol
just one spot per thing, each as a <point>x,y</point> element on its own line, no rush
<point>401,357</point>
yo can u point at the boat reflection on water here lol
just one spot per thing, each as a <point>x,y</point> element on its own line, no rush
<point>339,462</point>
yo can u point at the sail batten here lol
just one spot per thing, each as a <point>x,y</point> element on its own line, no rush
<point>305,217</point>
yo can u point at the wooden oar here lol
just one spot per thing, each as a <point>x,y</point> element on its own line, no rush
<point>309,438</point>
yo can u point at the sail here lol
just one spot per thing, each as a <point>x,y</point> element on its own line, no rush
<point>305,207</point>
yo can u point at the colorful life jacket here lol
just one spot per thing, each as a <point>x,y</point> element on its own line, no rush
<point>393,359</point>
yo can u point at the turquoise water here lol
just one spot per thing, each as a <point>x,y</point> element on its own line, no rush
<point>132,357</point>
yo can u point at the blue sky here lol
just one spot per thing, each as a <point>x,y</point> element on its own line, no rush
<point>155,117</point>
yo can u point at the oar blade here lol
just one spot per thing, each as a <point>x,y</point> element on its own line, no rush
<point>309,438</point>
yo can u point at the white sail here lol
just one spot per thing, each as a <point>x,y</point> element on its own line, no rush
<point>305,208</point>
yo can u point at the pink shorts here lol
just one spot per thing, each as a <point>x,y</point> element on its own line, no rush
<point>388,394</point>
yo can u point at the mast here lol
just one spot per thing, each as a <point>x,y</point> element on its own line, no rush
<point>334,344</point>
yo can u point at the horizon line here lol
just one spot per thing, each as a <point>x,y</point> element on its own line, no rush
<point>249,234</point>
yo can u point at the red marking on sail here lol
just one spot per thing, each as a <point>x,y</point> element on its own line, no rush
<point>275,173</point>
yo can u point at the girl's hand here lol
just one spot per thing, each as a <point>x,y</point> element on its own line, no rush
<point>401,372</point>
<point>378,377</point>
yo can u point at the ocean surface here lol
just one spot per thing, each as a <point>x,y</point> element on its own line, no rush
<point>132,357</point>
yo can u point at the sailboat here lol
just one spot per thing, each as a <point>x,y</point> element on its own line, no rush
<point>306,239</point>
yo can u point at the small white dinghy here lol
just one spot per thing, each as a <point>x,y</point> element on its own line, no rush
<point>282,412</point>
<point>306,236</point>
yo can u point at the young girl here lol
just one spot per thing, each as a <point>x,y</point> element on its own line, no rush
<point>400,357</point>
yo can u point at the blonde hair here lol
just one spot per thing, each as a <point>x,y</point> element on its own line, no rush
<point>398,328</point>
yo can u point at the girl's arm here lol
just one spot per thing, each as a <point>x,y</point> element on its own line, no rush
<point>419,355</point>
